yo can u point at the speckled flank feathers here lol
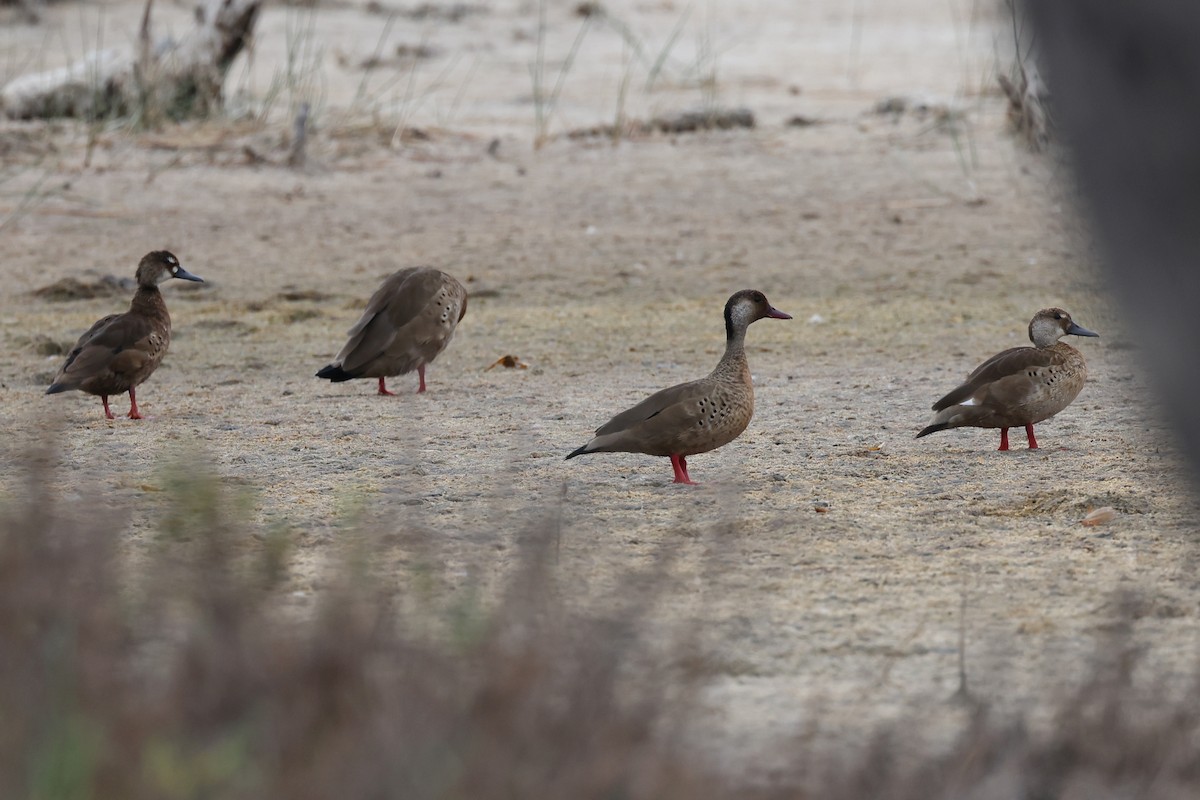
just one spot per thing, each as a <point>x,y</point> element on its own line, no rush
<point>121,351</point>
<point>1020,386</point>
<point>698,416</point>
<point>409,320</point>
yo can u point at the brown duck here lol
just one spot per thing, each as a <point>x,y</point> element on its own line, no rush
<point>698,416</point>
<point>409,320</point>
<point>121,351</point>
<point>1020,386</point>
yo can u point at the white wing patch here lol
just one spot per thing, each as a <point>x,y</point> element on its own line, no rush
<point>971,401</point>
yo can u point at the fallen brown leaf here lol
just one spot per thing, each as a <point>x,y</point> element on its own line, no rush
<point>509,361</point>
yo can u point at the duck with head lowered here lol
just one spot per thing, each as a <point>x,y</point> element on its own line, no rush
<point>121,351</point>
<point>1021,385</point>
<point>409,321</point>
<point>698,416</point>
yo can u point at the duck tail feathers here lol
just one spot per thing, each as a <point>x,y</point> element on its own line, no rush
<point>335,373</point>
<point>939,426</point>
<point>578,452</point>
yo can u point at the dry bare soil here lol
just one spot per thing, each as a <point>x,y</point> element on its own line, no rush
<point>831,570</point>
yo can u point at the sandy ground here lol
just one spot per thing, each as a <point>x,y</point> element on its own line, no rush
<point>829,562</point>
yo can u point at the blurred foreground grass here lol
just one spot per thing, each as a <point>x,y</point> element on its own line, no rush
<point>191,677</point>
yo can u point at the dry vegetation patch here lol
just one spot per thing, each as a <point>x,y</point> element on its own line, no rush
<point>188,677</point>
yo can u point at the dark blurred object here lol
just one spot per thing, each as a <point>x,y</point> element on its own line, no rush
<point>1125,83</point>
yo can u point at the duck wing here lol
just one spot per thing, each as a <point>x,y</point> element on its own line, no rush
<point>119,343</point>
<point>674,406</point>
<point>1005,364</point>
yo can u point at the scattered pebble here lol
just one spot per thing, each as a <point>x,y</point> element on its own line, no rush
<point>1099,516</point>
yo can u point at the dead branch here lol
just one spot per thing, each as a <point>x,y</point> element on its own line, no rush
<point>1027,116</point>
<point>175,81</point>
<point>299,138</point>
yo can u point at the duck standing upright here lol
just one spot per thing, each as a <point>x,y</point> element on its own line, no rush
<point>408,322</point>
<point>120,351</point>
<point>1020,386</point>
<point>698,416</point>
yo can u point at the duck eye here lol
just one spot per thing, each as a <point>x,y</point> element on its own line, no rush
<point>1058,315</point>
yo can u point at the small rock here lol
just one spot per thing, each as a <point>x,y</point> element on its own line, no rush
<point>1099,516</point>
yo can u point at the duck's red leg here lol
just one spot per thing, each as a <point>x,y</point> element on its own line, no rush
<point>107,411</point>
<point>133,409</point>
<point>421,375</point>
<point>1029,434</point>
<point>1003,439</point>
<point>679,464</point>
<point>383,389</point>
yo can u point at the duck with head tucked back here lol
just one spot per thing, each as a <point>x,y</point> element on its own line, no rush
<point>121,351</point>
<point>698,416</point>
<point>1020,386</point>
<point>409,321</point>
